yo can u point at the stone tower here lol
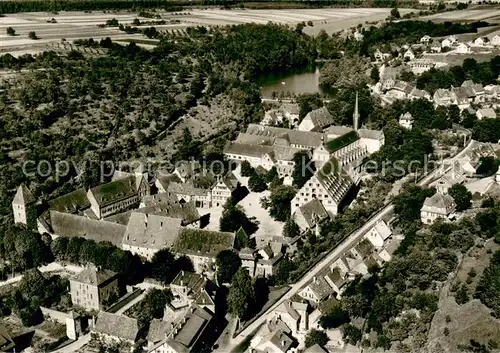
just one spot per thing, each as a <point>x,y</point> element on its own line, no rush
<point>355,116</point>
<point>23,205</point>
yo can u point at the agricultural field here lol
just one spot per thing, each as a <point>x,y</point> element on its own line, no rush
<point>69,26</point>
<point>471,14</point>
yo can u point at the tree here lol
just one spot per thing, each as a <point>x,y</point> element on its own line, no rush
<point>488,166</point>
<point>162,266</point>
<point>375,75</point>
<point>246,169</point>
<point>279,202</point>
<point>462,295</point>
<point>153,305</point>
<point>272,175</point>
<point>290,229</point>
<point>351,334</point>
<point>241,295</point>
<point>256,183</point>
<point>227,262</point>
<point>32,35</point>
<point>188,147</point>
<point>461,196</point>
<point>233,218</point>
<point>316,337</point>
<point>395,13</point>
<point>303,169</point>
<point>11,31</point>
<point>334,317</point>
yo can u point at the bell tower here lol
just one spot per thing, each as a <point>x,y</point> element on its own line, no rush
<point>23,205</point>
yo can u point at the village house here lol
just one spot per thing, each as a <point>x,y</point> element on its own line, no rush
<point>92,288</point>
<point>316,120</point>
<point>188,334</point>
<point>273,337</point>
<point>202,246</point>
<point>310,215</point>
<point>224,189</point>
<point>409,55</point>
<point>267,260</point>
<point>188,192</point>
<point>248,259</point>
<point>419,66</point>
<point>406,120</point>
<point>435,46</point>
<point>462,48</point>
<point>495,40</point>
<point>168,205</point>
<point>293,314</point>
<point>358,36</point>
<point>146,234</point>
<point>288,112</point>
<point>115,328</point>
<point>446,181</point>
<point>325,284</point>
<point>486,113</point>
<point>378,234</point>
<point>163,179</point>
<point>425,39</point>
<point>186,170</point>
<point>479,42</point>
<point>443,97</point>
<point>193,288</point>
<point>435,207</point>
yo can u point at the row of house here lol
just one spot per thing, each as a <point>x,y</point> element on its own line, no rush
<point>287,325</point>
<point>465,95</point>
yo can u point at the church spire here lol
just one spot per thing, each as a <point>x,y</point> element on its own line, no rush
<point>355,116</point>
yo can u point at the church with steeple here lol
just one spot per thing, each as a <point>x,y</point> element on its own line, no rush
<point>339,159</point>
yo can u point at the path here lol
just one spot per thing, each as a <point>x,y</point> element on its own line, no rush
<point>347,244</point>
<point>51,267</point>
<point>73,347</point>
<point>131,304</point>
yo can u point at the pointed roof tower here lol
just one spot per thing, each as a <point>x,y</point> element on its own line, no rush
<point>355,116</point>
<point>23,196</point>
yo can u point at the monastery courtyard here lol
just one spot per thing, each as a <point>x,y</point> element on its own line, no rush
<point>268,227</point>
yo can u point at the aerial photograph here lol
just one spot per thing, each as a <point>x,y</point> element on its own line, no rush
<point>254,176</point>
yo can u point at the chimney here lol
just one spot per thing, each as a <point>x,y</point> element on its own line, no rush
<point>283,343</point>
<point>145,219</point>
<point>314,279</point>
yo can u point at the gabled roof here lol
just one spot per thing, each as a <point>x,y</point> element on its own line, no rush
<point>194,281</point>
<point>334,180</point>
<point>94,276</point>
<point>320,287</point>
<point>70,225</point>
<point>151,231</point>
<point>72,202</point>
<point>316,349</point>
<point>338,130</point>
<point>439,201</point>
<point>290,108</point>
<point>313,212</point>
<point>23,196</point>
<point>320,117</point>
<point>279,339</point>
<point>364,248</point>
<point>114,191</point>
<point>192,327</point>
<point>158,329</point>
<point>370,134</point>
<point>203,242</point>
<point>165,179</point>
<point>117,326</point>
<point>342,141</point>
<point>487,112</point>
<point>303,138</point>
<point>287,308</point>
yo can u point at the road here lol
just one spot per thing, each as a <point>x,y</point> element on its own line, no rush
<point>347,244</point>
<point>51,267</point>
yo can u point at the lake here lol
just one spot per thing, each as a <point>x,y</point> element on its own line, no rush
<point>305,81</point>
